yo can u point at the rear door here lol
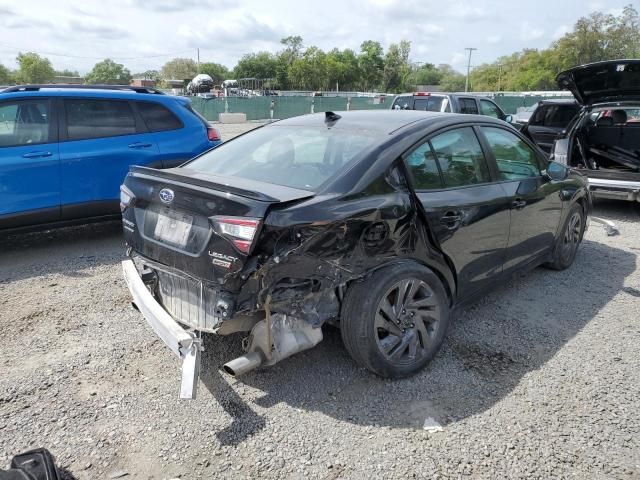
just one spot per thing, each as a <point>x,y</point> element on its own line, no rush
<point>467,213</point>
<point>547,122</point>
<point>177,142</point>
<point>29,162</point>
<point>100,139</point>
<point>535,202</point>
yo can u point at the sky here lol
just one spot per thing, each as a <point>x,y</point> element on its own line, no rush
<point>143,34</point>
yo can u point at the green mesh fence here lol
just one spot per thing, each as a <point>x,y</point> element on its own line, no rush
<point>259,108</point>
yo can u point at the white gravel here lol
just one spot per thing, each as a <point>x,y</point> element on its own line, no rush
<point>540,379</point>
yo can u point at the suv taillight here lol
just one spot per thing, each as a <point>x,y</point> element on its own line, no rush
<point>240,230</point>
<point>213,135</point>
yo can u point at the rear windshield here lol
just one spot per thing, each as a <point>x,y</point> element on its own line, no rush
<point>298,157</point>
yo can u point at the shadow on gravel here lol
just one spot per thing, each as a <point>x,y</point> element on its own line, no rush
<point>491,345</point>
<point>63,250</point>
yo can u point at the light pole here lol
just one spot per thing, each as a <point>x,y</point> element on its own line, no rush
<point>499,75</point>
<point>466,82</point>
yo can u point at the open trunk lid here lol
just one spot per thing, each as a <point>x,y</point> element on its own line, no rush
<point>603,81</point>
<point>204,226</point>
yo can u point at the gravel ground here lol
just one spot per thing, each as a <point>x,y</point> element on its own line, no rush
<point>540,379</point>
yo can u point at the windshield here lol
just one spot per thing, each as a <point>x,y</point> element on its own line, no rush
<point>297,157</point>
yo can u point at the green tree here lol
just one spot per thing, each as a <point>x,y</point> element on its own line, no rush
<point>396,67</point>
<point>32,68</point>
<point>5,75</point>
<point>179,69</point>
<point>256,65</point>
<point>342,69</point>
<point>371,65</point>
<point>310,71</point>
<point>428,74</point>
<point>108,72</point>
<point>216,71</point>
<point>450,80</point>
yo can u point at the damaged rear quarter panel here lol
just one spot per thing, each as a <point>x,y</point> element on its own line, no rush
<point>314,249</point>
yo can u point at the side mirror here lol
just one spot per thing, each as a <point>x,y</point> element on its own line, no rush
<point>508,119</point>
<point>556,171</point>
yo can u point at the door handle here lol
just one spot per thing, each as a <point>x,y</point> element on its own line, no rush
<point>451,220</point>
<point>139,145</point>
<point>518,204</point>
<point>37,154</point>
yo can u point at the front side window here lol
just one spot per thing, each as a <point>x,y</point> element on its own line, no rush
<point>468,105</point>
<point>158,118</point>
<point>514,157</point>
<point>24,122</point>
<point>88,118</point>
<point>490,109</point>
<point>460,157</point>
<point>299,157</point>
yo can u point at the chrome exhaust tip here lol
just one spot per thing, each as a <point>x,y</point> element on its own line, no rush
<point>243,364</point>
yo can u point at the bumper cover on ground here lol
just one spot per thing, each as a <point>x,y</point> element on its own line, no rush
<point>185,344</point>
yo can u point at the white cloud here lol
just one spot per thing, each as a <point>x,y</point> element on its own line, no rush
<point>560,31</point>
<point>530,32</point>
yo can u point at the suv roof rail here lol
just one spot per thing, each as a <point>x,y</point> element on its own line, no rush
<point>35,88</point>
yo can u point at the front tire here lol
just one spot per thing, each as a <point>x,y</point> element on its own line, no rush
<point>567,243</point>
<point>393,323</point>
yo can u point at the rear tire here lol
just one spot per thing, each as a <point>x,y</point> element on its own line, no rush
<point>393,323</point>
<point>569,239</point>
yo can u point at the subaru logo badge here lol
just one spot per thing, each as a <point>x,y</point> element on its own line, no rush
<point>166,195</point>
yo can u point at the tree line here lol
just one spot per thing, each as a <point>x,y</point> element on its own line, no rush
<point>596,37</point>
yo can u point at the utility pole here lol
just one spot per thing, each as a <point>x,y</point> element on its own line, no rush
<point>499,75</point>
<point>198,53</point>
<point>466,82</point>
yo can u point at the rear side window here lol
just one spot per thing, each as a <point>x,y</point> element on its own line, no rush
<point>557,116</point>
<point>24,122</point>
<point>424,167</point>
<point>460,158</point>
<point>451,159</point>
<point>468,105</point>
<point>514,157</point>
<point>89,118</point>
<point>158,118</point>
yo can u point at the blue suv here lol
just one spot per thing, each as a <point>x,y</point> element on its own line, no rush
<point>65,150</point>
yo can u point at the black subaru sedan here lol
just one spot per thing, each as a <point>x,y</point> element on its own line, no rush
<point>377,222</point>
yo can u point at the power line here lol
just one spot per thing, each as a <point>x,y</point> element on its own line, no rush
<point>52,54</point>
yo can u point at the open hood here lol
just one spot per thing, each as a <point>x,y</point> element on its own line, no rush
<point>613,80</point>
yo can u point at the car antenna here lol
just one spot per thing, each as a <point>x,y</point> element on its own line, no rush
<point>331,117</point>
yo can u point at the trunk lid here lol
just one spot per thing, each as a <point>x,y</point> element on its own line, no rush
<point>202,225</point>
<point>603,81</point>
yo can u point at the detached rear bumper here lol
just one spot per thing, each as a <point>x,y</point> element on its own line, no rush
<point>615,189</point>
<point>185,344</point>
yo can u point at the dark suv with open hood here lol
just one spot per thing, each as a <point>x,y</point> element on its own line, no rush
<point>604,138</point>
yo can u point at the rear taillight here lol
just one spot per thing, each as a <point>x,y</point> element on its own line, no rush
<point>213,135</point>
<point>422,94</point>
<point>240,230</point>
<point>126,197</point>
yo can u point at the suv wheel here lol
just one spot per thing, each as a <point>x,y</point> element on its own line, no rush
<point>393,323</point>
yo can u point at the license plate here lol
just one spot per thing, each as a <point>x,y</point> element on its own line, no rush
<point>173,227</point>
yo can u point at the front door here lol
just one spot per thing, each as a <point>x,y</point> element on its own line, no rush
<point>101,139</point>
<point>467,214</point>
<point>29,163</point>
<point>536,204</point>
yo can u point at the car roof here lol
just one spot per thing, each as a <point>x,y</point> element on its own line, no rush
<point>132,93</point>
<point>382,121</point>
<point>435,94</point>
<point>559,101</point>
